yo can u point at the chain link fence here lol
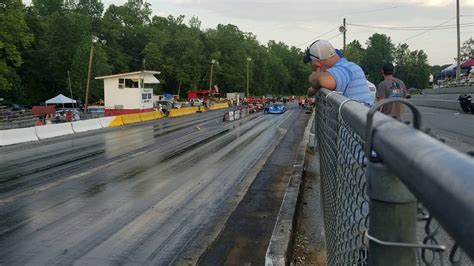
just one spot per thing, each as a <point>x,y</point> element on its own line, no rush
<point>344,192</point>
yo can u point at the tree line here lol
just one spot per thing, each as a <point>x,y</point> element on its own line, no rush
<point>43,42</point>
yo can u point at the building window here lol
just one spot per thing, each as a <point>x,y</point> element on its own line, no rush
<point>127,83</point>
<point>130,83</point>
<point>147,97</point>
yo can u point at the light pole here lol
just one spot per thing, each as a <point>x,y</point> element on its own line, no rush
<point>458,68</point>
<point>248,75</point>
<point>91,55</point>
<point>213,61</point>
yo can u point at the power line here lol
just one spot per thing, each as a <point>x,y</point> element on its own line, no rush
<point>315,38</point>
<point>339,34</point>
<point>428,30</point>
<point>378,9</point>
<point>419,28</point>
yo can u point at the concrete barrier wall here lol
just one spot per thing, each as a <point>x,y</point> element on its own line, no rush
<point>107,121</point>
<point>453,90</point>
<point>56,130</point>
<point>86,125</point>
<point>237,114</point>
<point>217,106</point>
<point>158,114</point>
<point>18,135</point>
<point>148,116</point>
<point>443,104</point>
<point>131,119</point>
<point>449,97</point>
<point>182,111</point>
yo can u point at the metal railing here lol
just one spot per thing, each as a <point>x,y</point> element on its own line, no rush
<point>16,119</point>
<point>384,210</point>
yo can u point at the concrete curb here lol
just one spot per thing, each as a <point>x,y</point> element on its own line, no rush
<point>279,248</point>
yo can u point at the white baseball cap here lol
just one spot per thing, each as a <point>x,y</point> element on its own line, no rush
<point>319,50</point>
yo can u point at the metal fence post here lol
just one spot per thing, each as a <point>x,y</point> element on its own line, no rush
<point>392,218</point>
<point>393,208</point>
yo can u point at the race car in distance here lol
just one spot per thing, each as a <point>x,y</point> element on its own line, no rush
<point>276,108</point>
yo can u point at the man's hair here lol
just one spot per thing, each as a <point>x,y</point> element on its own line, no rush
<point>387,69</point>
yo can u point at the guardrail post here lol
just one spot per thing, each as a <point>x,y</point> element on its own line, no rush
<point>392,218</point>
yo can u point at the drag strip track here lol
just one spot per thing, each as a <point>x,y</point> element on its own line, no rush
<point>135,195</point>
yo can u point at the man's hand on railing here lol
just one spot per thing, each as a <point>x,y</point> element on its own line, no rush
<point>320,79</point>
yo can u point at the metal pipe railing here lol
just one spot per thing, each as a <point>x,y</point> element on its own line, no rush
<point>437,175</point>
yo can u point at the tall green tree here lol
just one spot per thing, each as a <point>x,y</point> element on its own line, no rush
<point>14,37</point>
<point>57,37</point>
<point>354,52</point>
<point>467,49</point>
<point>379,51</point>
<point>47,7</point>
<point>411,66</point>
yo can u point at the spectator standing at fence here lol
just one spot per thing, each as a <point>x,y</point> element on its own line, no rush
<point>391,87</point>
<point>332,72</point>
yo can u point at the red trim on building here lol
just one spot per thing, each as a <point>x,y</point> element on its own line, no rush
<point>114,112</point>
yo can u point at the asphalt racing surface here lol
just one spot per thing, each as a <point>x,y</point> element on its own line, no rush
<point>153,193</point>
<point>454,128</point>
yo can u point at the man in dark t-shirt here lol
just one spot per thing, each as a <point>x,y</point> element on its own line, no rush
<point>391,87</point>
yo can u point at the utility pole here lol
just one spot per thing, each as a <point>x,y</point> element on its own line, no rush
<point>458,69</point>
<point>213,61</point>
<point>344,35</point>
<point>248,75</point>
<point>89,72</point>
<point>70,88</point>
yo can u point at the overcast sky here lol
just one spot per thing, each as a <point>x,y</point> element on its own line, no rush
<point>297,22</point>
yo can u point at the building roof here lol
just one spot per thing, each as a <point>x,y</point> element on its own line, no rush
<point>136,73</point>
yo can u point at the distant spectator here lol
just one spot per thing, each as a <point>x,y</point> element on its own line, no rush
<point>39,122</point>
<point>69,116</point>
<point>391,87</point>
<point>471,74</point>
<point>48,119</point>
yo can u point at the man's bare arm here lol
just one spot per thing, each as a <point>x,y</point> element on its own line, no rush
<point>320,80</point>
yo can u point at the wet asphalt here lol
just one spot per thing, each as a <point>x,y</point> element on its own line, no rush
<point>245,237</point>
<point>151,193</point>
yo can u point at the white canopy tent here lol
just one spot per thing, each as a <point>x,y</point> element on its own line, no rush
<point>60,99</point>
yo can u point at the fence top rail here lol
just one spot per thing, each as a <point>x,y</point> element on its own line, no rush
<point>439,176</point>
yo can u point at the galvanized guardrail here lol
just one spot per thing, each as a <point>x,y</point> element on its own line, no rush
<point>410,203</point>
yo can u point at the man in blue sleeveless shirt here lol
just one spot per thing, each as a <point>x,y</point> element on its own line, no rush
<point>332,72</point>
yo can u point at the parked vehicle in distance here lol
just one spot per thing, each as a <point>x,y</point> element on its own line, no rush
<point>61,115</point>
<point>196,102</point>
<point>18,108</point>
<point>251,108</point>
<point>165,106</point>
